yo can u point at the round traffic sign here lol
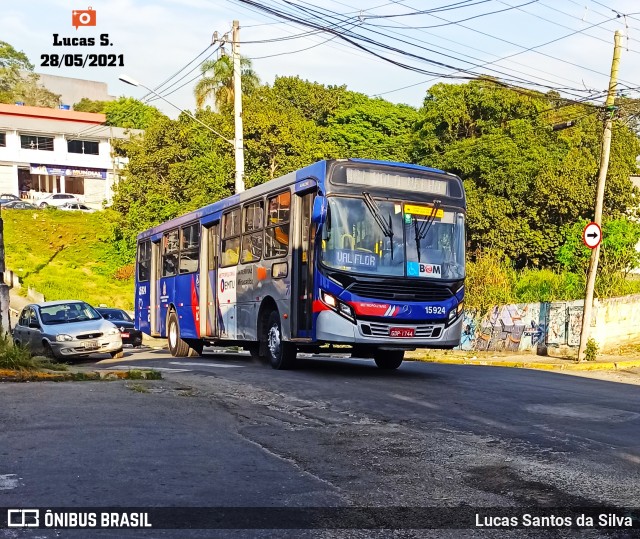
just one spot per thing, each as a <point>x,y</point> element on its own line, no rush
<point>592,235</point>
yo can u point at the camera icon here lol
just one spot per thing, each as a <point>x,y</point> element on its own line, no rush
<point>83,17</point>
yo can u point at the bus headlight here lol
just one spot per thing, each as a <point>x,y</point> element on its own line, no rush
<point>329,299</point>
<point>338,306</point>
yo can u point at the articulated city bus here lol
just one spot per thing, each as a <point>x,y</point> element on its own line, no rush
<point>369,254</point>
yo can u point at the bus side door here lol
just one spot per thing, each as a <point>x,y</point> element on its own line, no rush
<point>208,307</point>
<point>302,260</point>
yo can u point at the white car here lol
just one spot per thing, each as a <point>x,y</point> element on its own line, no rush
<point>57,200</point>
<point>75,206</point>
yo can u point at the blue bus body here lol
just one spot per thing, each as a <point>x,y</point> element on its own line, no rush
<point>351,252</point>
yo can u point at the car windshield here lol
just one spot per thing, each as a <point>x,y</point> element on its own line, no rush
<point>65,313</point>
<point>115,314</point>
<point>384,237</point>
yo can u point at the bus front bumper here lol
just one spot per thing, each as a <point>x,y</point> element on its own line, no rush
<point>333,328</point>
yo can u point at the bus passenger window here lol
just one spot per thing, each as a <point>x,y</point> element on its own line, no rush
<point>252,232</point>
<point>170,251</point>
<point>277,226</point>
<point>230,252</point>
<point>144,261</point>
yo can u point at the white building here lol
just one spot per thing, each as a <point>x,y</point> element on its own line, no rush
<point>46,150</point>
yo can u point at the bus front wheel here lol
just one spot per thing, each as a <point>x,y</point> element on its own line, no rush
<point>177,346</point>
<point>282,355</point>
<point>388,359</point>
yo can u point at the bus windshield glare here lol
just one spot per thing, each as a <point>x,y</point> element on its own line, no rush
<point>391,238</point>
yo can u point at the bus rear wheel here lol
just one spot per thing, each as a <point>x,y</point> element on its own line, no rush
<point>281,354</point>
<point>388,359</point>
<point>177,346</point>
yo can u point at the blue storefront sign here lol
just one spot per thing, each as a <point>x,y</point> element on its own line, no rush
<point>56,170</point>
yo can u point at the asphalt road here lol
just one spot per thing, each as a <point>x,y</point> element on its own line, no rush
<point>222,430</point>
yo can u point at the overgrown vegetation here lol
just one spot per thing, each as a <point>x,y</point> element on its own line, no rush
<point>16,357</point>
<point>68,255</point>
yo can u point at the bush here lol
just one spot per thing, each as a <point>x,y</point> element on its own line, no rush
<point>534,286</point>
<point>490,280</point>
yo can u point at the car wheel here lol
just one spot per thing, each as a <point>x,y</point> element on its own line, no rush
<point>388,359</point>
<point>177,346</point>
<point>118,354</point>
<point>47,350</point>
<point>282,355</point>
<point>44,205</point>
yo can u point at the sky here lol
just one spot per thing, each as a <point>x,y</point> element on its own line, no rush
<point>570,43</point>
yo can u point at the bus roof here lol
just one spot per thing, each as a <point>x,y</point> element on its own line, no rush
<point>316,170</point>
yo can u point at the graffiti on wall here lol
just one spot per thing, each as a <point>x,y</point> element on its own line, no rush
<point>521,327</point>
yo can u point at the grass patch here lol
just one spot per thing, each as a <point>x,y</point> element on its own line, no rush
<point>139,388</point>
<point>66,255</point>
<point>19,358</point>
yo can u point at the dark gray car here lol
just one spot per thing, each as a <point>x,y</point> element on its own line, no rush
<point>66,329</point>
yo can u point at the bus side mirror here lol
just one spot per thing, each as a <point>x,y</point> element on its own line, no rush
<point>319,213</point>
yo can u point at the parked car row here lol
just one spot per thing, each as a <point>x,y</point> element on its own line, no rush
<point>70,328</point>
<point>69,203</point>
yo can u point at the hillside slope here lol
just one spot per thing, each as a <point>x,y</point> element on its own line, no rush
<point>65,255</point>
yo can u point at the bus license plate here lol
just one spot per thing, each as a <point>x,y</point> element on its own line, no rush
<point>402,332</point>
<point>91,345</point>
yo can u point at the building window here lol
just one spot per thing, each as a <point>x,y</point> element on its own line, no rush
<point>3,139</point>
<point>88,147</point>
<point>32,142</point>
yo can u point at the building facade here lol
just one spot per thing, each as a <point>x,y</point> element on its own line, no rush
<point>46,151</point>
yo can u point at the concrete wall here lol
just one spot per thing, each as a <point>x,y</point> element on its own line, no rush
<point>555,326</point>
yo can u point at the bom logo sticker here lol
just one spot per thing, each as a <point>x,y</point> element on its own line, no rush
<point>226,285</point>
<point>417,269</point>
<point>83,17</point>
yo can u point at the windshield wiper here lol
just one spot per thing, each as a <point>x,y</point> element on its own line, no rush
<point>422,231</point>
<point>387,228</point>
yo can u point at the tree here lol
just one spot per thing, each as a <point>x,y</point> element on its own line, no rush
<point>373,129</point>
<point>279,139</point>
<point>130,113</point>
<point>174,167</point>
<point>89,105</point>
<point>18,82</point>
<point>524,181</point>
<point>217,81</point>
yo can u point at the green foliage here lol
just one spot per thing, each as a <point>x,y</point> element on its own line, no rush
<point>533,285</point>
<point>130,113</point>
<point>17,86</point>
<point>490,279</point>
<point>65,255</point>
<point>591,350</point>
<point>525,182</point>
<point>89,105</point>
<point>17,357</point>
<point>177,166</point>
<point>373,129</point>
<point>217,81</point>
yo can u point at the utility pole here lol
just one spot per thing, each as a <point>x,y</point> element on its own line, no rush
<point>237,107</point>
<point>602,176</point>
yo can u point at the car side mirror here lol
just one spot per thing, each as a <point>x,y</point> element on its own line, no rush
<point>34,325</point>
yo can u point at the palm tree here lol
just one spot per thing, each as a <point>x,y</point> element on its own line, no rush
<point>217,81</point>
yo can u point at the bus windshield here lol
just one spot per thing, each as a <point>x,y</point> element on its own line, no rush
<point>393,238</point>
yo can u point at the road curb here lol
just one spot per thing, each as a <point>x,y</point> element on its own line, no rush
<point>11,375</point>
<point>584,366</point>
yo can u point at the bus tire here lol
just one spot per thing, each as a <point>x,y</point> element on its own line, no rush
<point>195,348</point>
<point>281,354</point>
<point>388,359</point>
<point>177,346</point>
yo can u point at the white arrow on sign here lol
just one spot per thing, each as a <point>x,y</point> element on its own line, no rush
<point>592,235</point>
